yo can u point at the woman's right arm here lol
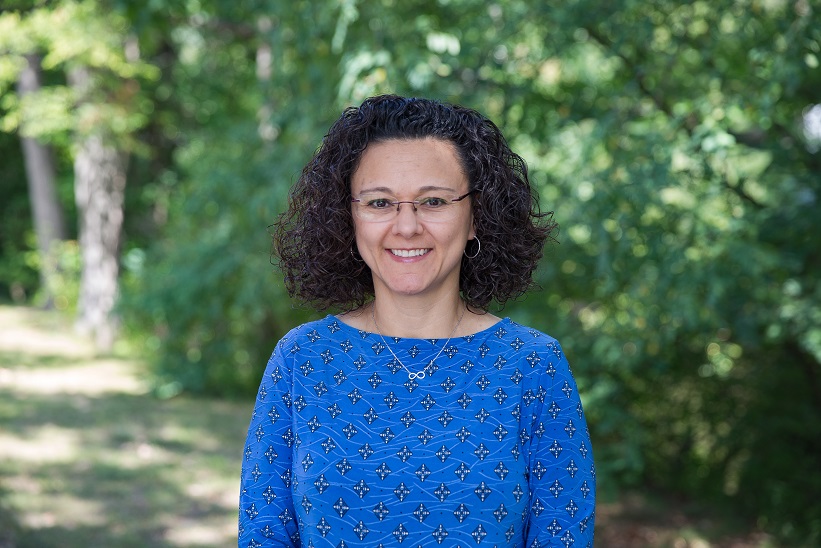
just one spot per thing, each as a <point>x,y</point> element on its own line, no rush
<point>266,510</point>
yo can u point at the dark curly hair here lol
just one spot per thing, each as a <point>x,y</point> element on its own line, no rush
<point>314,239</point>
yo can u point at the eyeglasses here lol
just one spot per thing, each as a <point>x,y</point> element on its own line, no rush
<point>376,208</point>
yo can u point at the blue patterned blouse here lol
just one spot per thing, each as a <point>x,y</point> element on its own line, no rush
<point>490,448</point>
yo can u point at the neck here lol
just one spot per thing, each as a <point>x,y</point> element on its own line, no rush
<point>410,318</point>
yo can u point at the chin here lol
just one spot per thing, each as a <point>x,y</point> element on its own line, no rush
<point>408,289</point>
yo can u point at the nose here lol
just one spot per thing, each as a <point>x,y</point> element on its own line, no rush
<point>406,222</point>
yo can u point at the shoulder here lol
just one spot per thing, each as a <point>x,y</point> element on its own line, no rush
<point>507,341</point>
<point>545,346</point>
<point>522,337</point>
<point>537,339</point>
<point>326,328</point>
<point>307,338</point>
<point>303,342</point>
<point>531,351</point>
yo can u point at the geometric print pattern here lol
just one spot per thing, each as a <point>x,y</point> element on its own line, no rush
<point>490,448</point>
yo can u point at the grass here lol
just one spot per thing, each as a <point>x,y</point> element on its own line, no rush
<point>89,459</point>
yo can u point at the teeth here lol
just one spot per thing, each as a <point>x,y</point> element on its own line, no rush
<point>408,252</point>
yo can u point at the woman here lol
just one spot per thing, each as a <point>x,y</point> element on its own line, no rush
<point>415,416</point>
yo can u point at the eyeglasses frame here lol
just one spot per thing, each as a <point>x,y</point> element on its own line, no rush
<point>415,203</point>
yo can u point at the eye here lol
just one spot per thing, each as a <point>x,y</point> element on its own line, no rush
<point>433,202</point>
<point>379,203</point>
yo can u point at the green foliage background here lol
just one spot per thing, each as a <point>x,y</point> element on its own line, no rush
<point>668,138</point>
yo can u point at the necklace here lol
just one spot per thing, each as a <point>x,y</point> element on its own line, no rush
<point>411,374</point>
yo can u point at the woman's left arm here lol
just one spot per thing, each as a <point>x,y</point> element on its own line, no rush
<point>562,473</point>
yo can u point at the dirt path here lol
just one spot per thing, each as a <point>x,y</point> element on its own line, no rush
<point>33,336</point>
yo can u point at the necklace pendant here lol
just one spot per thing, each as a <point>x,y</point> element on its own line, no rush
<point>421,374</point>
<point>414,376</point>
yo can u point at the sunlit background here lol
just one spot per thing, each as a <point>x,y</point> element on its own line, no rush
<point>146,146</point>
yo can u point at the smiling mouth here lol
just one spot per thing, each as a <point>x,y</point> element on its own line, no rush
<point>409,252</point>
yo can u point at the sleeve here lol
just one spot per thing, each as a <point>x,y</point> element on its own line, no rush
<point>562,473</point>
<point>266,510</point>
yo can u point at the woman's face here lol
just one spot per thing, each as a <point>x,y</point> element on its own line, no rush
<point>409,255</point>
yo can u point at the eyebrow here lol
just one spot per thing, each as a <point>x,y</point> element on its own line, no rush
<point>427,188</point>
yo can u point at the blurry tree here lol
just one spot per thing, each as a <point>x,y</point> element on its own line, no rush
<point>671,139</point>
<point>666,136</point>
<point>18,278</point>
<point>97,113</point>
<point>206,292</point>
<point>47,211</point>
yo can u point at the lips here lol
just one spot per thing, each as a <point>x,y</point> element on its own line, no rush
<point>409,252</point>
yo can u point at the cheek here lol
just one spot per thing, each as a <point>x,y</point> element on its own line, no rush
<point>357,231</point>
<point>365,237</point>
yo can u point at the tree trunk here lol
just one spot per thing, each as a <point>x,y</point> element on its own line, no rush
<point>99,188</point>
<point>264,65</point>
<point>46,210</point>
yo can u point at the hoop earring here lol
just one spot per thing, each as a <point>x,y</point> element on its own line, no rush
<point>359,264</point>
<point>477,250</point>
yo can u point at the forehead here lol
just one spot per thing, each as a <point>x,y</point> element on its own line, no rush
<point>408,166</point>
